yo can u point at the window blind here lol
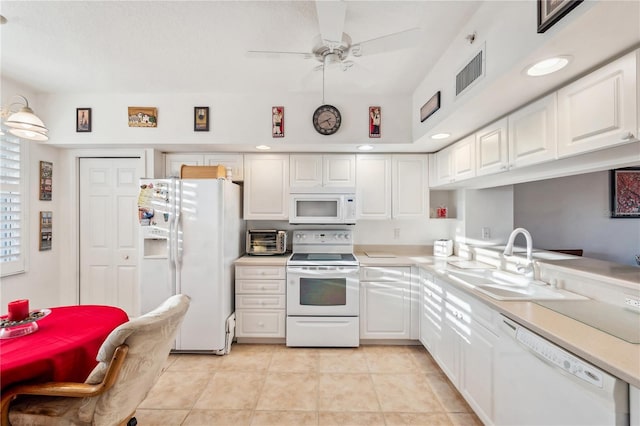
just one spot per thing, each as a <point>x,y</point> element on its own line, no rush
<point>12,238</point>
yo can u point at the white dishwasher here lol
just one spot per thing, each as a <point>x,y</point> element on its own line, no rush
<point>539,383</point>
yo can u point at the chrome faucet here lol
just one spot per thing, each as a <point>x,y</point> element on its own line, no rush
<point>526,269</point>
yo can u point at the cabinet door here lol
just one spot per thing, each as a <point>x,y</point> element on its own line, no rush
<point>260,323</point>
<point>600,109</point>
<point>373,186</point>
<point>492,149</point>
<point>477,372</point>
<point>234,161</point>
<point>444,166</point>
<point>339,171</point>
<point>410,189</point>
<point>306,171</point>
<point>173,162</point>
<point>464,158</point>
<point>431,315</point>
<point>448,352</point>
<point>532,133</point>
<point>385,310</point>
<point>266,187</point>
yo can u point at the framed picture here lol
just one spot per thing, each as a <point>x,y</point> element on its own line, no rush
<point>375,119</point>
<point>625,192</point>
<point>431,106</point>
<point>277,121</point>
<point>551,11</point>
<point>201,119</point>
<point>83,119</point>
<point>143,116</point>
<point>45,231</point>
<point>46,180</point>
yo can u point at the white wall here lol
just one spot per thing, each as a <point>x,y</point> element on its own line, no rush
<point>573,213</point>
<point>490,208</point>
<point>40,283</point>
<point>235,119</point>
<point>374,232</point>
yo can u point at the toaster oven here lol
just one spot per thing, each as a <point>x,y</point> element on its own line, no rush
<point>266,242</point>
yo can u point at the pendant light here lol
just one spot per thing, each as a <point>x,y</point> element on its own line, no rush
<point>25,124</point>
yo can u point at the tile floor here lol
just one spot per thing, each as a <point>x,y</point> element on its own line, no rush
<point>276,385</point>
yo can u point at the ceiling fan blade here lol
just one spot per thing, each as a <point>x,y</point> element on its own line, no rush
<point>331,16</point>
<point>387,43</point>
<point>272,54</point>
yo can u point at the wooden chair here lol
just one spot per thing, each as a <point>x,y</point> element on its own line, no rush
<point>130,362</point>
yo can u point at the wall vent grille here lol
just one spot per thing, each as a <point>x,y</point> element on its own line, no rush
<point>470,73</point>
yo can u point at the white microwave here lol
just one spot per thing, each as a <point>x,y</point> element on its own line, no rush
<point>322,209</point>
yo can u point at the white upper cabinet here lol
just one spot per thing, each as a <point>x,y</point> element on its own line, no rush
<point>392,186</point>
<point>173,163</point>
<point>464,159</point>
<point>322,171</point>
<point>266,187</point>
<point>235,162</point>
<point>455,163</point>
<point>373,189</point>
<point>533,133</point>
<point>600,109</point>
<point>492,151</point>
<point>442,169</point>
<point>410,189</point>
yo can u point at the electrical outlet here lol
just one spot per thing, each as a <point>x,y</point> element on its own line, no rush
<point>486,232</point>
<point>396,233</point>
<point>632,301</point>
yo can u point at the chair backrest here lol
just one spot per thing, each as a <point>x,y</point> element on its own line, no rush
<point>150,338</point>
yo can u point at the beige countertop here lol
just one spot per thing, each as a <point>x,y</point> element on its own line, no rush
<point>614,355</point>
<point>275,260</point>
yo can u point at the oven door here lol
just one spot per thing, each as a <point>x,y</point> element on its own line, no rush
<point>323,290</point>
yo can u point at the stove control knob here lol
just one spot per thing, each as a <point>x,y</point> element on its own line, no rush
<point>346,236</point>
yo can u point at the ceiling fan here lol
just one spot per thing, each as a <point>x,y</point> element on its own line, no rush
<point>332,47</point>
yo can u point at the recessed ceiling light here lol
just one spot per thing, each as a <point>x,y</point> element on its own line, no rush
<point>440,136</point>
<point>365,147</point>
<point>547,66</point>
<point>263,147</point>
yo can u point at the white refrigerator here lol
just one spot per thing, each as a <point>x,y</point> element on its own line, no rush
<point>192,232</point>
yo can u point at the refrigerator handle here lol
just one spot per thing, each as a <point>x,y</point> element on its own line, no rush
<point>178,226</point>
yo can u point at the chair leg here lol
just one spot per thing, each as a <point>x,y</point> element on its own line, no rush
<point>132,421</point>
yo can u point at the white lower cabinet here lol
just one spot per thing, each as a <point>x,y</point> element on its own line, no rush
<point>460,332</point>
<point>260,301</point>
<point>385,302</point>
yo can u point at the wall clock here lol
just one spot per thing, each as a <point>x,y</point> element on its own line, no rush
<point>327,119</point>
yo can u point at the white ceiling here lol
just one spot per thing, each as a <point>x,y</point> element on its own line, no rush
<point>182,46</point>
<point>185,46</point>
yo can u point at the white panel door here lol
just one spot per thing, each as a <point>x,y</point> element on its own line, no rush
<point>464,158</point>
<point>492,151</point>
<point>532,133</point>
<point>373,186</point>
<point>305,171</point>
<point>410,186</point>
<point>339,170</point>
<point>266,187</point>
<point>109,232</point>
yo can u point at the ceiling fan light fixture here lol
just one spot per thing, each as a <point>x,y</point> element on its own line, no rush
<point>547,66</point>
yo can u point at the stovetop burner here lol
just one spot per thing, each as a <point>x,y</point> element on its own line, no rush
<point>322,247</point>
<point>322,259</point>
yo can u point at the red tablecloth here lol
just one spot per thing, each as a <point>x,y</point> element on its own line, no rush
<point>63,349</point>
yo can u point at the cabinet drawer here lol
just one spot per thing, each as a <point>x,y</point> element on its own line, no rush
<point>256,301</point>
<point>261,272</point>
<point>260,323</point>
<point>260,286</point>
<point>385,273</point>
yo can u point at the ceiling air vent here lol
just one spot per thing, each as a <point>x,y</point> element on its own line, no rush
<point>470,73</point>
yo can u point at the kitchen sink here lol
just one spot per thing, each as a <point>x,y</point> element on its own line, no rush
<point>502,285</point>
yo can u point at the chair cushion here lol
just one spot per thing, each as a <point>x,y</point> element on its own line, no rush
<point>28,410</point>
